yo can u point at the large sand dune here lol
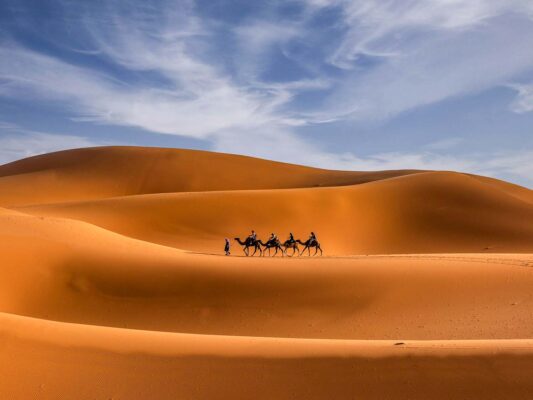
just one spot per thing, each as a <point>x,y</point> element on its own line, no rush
<point>419,213</point>
<point>113,285</point>
<point>103,172</point>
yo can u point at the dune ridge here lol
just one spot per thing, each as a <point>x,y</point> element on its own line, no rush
<point>102,172</point>
<point>114,285</point>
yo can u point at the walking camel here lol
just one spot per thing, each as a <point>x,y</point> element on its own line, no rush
<point>308,244</point>
<point>291,245</point>
<point>272,244</point>
<point>249,242</point>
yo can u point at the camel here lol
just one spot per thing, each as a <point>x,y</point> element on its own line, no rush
<point>291,245</point>
<point>308,244</point>
<point>249,242</point>
<point>272,244</point>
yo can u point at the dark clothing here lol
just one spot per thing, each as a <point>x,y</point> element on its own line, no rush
<point>226,247</point>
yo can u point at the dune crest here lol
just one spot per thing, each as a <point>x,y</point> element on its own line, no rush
<point>103,172</point>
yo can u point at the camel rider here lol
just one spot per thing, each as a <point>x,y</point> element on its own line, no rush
<point>291,238</point>
<point>273,238</point>
<point>252,238</point>
<point>312,238</point>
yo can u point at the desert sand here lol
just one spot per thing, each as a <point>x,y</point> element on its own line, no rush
<point>113,282</point>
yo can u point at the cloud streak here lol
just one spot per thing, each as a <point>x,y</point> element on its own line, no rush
<point>17,142</point>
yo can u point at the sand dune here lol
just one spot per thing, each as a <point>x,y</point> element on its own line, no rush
<point>112,282</point>
<point>420,213</point>
<point>128,364</point>
<point>102,172</point>
<point>72,271</point>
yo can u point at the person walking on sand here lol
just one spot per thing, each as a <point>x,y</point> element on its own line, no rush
<point>226,247</point>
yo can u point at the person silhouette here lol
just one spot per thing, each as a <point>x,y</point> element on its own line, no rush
<point>291,238</point>
<point>227,247</point>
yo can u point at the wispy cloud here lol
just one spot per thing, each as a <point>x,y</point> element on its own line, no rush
<point>427,51</point>
<point>166,67</point>
<point>280,144</point>
<point>185,92</point>
<point>430,50</point>
<point>17,142</point>
<point>377,27</point>
<point>524,99</point>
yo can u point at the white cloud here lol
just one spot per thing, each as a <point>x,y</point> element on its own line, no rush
<point>435,68</point>
<point>195,96</point>
<point>98,98</point>
<point>377,27</point>
<point>524,99</point>
<point>423,52</point>
<point>17,142</point>
<point>465,47</point>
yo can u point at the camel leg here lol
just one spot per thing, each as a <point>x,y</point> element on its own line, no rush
<point>316,251</point>
<point>320,248</point>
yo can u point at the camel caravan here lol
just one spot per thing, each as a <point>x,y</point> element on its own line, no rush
<point>273,243</point>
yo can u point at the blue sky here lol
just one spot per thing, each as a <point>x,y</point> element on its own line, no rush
<point>359,85</point>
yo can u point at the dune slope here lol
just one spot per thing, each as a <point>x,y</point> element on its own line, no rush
<point>75,272</point>
<point>101,172</point>
<point>420,213</point>
<point>125,364</point>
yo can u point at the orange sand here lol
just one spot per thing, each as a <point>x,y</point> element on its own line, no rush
<point>113,283</point>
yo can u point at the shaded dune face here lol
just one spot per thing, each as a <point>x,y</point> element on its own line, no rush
<point>111,261</point>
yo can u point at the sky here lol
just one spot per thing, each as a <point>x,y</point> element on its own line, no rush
<point>354,85</point>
